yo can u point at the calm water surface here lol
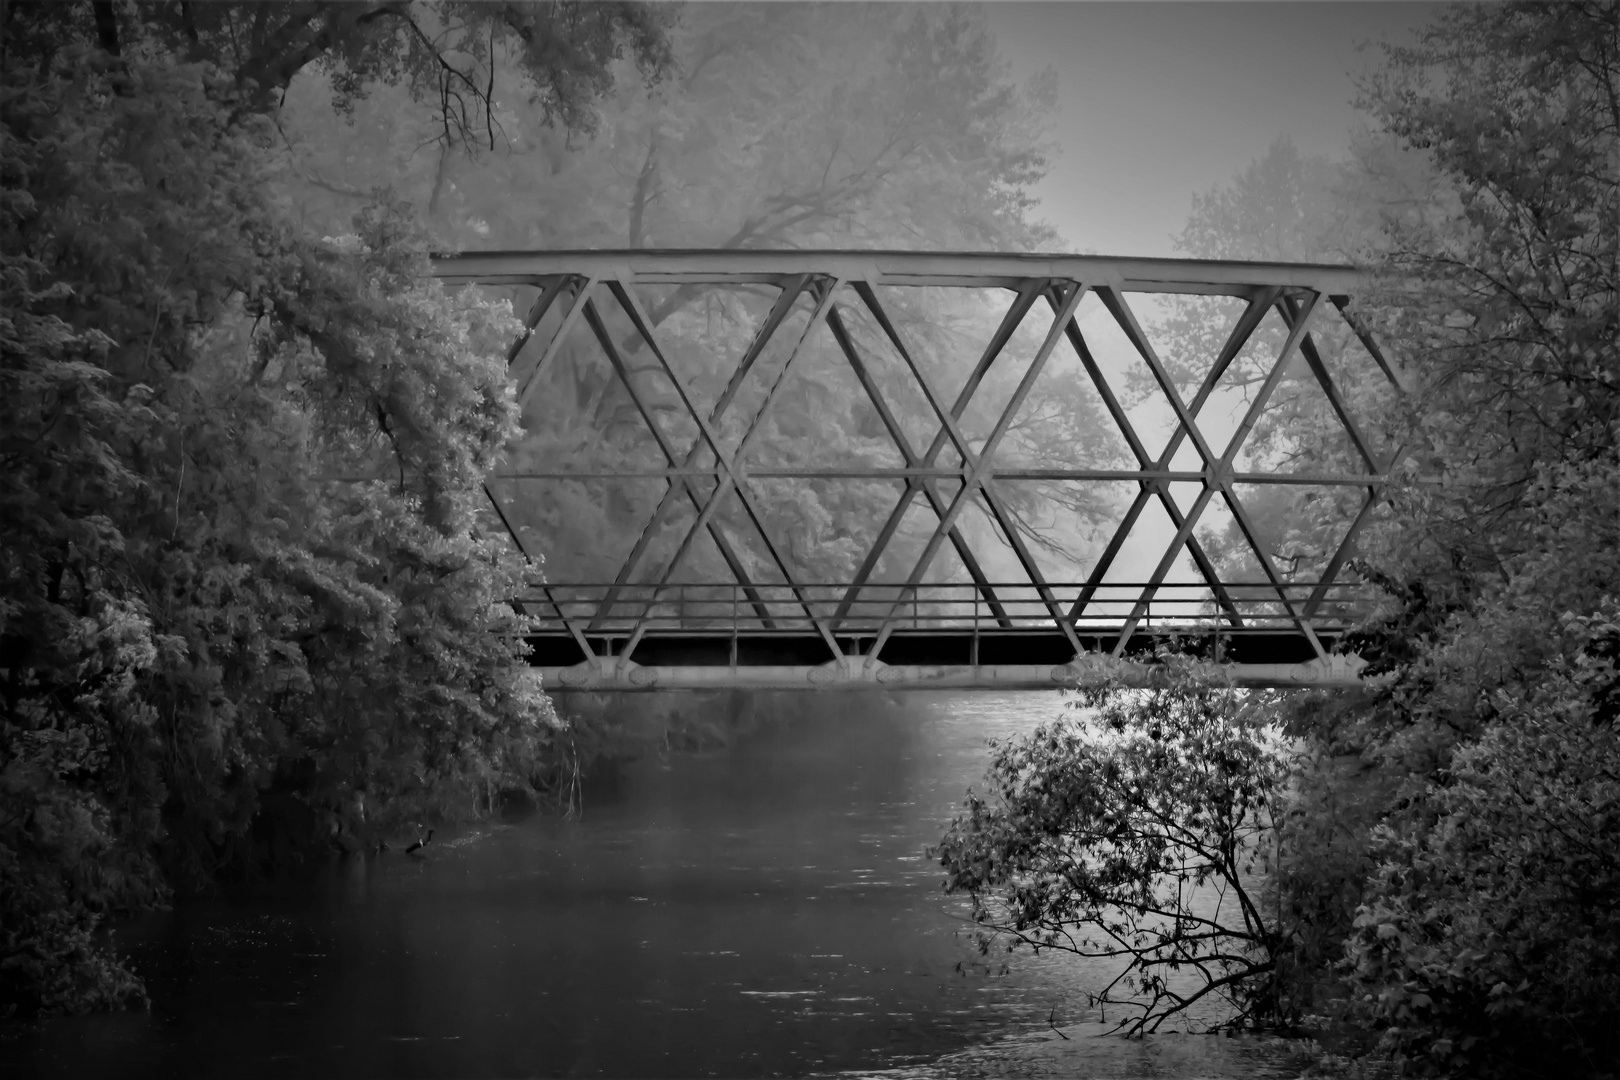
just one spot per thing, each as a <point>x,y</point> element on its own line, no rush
<point>766,908</point>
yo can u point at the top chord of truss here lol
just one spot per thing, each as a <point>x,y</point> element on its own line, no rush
<point>966,269</point>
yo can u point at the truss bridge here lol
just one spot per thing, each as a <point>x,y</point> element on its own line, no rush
<point>842,469</point>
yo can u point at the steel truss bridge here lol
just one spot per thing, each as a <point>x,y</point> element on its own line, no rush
<point>765,623</point>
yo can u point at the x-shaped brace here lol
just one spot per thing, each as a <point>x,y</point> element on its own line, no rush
<point>1246,325</point>
<point>1009,324</point>
<point>779,312</point>
<point>729,477</point>
<point>977,470</point>
<point>1218,476</point>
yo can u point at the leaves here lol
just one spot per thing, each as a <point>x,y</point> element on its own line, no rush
<point>208,610</point>
<point>1130,831</point>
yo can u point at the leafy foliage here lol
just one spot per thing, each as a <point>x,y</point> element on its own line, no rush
<point>1490,944</point>
<point>222,640</point>
<point>1481,943</point>
<point>562,53</point>
<point>1136,830</point>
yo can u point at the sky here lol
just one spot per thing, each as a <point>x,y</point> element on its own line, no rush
<point>1158,101</point>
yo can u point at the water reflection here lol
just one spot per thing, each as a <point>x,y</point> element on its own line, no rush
<point>765,908</point>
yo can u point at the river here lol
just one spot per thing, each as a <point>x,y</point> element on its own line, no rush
<point>761,908</point>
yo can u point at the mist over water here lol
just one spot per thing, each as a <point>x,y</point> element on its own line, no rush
<point>766,907</point>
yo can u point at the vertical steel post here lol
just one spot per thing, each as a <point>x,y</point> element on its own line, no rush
<point>973,656</point>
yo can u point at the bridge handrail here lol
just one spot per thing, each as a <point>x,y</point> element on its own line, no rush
<point>782,607</point>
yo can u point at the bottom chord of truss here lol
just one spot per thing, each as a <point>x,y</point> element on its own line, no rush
<point>938,660</point>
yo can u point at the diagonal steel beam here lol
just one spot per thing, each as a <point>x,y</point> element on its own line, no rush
<point>1246,325</point>
<point>573,631</point>
<point>1126,319</point>
<point>978,465</point>
<point>1028,292</point>
<point>728,472</point>
<point>1341,555</point>
<point>1289,310</point>
<point>1145,462</point>
<point>582,293</point>
<point>1183,532</point>
<point>984,468</point>
<point>1109,553</point>
<point>779,312</point>
<point>1219,470</point>
<point>1185,420</point>
<point>948,422</point>
<point>688,485</point>
<point>550,288</point>
<point>1244,329</point>
<point>913,485</point>
<point>1246,527</point>
<point>1330,573</point>
<point>948,427</point>
<point>1222,473</point>
<point>1370,344</point>
<point>717,496</point>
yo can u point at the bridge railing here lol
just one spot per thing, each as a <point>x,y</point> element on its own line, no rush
<point>872,608</point>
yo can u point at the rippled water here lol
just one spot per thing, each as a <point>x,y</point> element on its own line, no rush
<point>766,908</point>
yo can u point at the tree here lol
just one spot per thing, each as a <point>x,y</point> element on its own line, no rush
<point>1491,711</point>
<point>563,51</point>
<point>214,648</point>
<point>1137,832</point>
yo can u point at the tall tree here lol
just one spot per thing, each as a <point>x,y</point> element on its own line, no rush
<point>445,51</point>
<point>1502,655</point>
<point>202,624</point>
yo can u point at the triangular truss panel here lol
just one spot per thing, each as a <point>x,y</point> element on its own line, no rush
<point>877,340</point>
<point>1066,424</point>
<point>588,523</point>
<point>1150,558</point>
<point>1304,532</point>
<point>824,415</point>
<point>1124,369</point>
<point>761,458</point>
<point>970,346</point>
<point>1218,385</point>
<point>577,416</point>
<point>1196,337</point>
<point>1367,388</point>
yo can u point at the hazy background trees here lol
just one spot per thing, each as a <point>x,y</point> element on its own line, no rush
<point>887,127</point>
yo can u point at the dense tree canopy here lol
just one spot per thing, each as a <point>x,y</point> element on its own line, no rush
<point>216,648</point>
<point>443,51</point>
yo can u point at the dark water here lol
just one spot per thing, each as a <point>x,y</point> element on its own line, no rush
<point>765,908</point>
